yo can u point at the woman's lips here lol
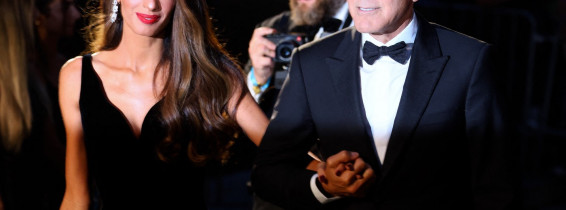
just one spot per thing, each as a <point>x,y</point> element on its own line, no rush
<point>148,19</point>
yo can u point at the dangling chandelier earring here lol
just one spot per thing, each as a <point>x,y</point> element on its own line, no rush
<point>114,11</point>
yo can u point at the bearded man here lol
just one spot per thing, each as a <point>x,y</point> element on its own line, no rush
<point>312,18</point>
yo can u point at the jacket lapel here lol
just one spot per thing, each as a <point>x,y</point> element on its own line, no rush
<point>343,66</point>
<point>343,63</point>
<point>427,64</point>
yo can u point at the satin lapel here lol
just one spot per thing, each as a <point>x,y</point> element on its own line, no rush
<point>427,64</point>
<point>344,69</point>
<point>343,64</point>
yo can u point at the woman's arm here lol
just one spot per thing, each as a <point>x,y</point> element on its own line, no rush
<point>254,123</point>
<point>251,119</point>
<point>76,190</point>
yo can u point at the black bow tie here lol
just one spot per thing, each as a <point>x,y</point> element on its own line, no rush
<point>397,52</point>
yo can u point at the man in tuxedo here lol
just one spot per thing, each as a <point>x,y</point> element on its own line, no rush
<point>312,19</point>
<point>405,114</point>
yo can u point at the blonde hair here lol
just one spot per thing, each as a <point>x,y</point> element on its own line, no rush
<point>16,31</point>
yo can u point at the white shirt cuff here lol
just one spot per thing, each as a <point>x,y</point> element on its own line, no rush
<point>317,194</point>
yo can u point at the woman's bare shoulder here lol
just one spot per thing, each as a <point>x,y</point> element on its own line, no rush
<point>70,74</point>
<point>72,68</point>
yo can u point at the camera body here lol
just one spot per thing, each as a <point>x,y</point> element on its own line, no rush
<point>285,43</point>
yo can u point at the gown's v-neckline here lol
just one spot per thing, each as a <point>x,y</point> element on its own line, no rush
<point>123,116</point>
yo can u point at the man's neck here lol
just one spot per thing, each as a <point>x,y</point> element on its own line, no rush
<point>393,31</point>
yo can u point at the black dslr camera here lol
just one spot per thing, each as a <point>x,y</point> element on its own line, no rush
<point>285,43</point>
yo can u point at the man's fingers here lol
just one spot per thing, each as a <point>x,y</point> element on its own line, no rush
<point>359,166</point>
<point>268,52</point>
<point>321,173</point>
<point>361,185</point>
<point>369,174</point>
<point>341,157</point>
<point>266,43</point>
<point>339,169</point>
<point>259,39</point>
<point>258,43</point>
<point>262,31</point>
<point>345,174</point>
<point>321,167</point>
<point>356,171</point>
<point>264,62</point>
<point>261,46</point>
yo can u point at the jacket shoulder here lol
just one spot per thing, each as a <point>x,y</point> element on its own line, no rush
<point>328,44</point>
<point>453,39</point>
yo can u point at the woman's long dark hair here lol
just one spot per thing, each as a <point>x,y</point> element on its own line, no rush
<point>200,76</point>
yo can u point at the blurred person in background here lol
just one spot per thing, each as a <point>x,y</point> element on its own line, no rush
<point>311,19</point>
<point>31,155</point>
<point>54,24</point>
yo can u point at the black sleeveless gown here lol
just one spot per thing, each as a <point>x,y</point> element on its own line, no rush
<point>124,171</point>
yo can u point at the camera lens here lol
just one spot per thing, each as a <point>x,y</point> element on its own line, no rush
<point>284,51</point>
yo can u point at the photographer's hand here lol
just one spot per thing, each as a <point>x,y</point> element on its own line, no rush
<point>261,52</point>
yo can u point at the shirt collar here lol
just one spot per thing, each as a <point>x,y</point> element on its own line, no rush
<point>342,13</point>
<point>408,35</point>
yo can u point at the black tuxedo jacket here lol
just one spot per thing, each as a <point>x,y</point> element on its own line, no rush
<point>446,149</point>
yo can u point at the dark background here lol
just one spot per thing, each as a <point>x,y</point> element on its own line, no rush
<point>529,37</point>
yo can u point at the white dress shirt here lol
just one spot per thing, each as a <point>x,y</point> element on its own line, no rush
<point>382,86</point>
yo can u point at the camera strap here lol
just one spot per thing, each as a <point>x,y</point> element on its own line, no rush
<point>284,23</point>
<point>257,87</point>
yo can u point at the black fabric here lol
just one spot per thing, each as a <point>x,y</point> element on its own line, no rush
<point>125,170</point>
<point>34,177</point>
<point>348,21</point>
<point>397,52</point>
<point>331,24</point>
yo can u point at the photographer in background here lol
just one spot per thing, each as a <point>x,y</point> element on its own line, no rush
<point>307,20</point>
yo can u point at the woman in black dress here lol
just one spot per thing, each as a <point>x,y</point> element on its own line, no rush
<point>158,98</point>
